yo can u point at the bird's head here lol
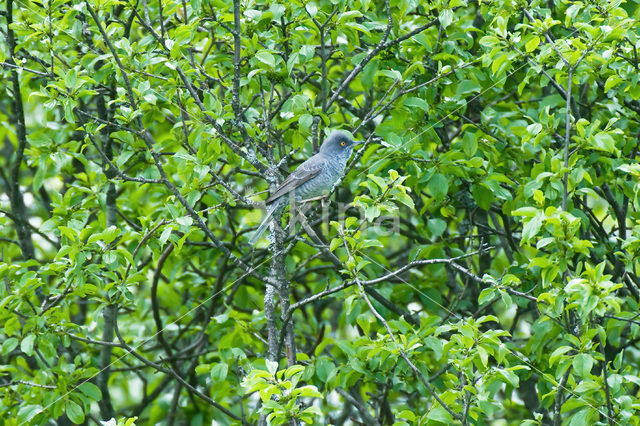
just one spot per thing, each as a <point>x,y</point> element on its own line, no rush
<point>337,144</point>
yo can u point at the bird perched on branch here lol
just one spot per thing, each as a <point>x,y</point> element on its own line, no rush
<point>313,178</point>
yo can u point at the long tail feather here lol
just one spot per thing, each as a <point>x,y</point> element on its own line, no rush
<point>265,222</point>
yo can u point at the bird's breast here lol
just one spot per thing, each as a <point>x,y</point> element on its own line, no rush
<point>331,171</point>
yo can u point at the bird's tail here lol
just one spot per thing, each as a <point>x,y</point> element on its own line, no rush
<point>265,222</point>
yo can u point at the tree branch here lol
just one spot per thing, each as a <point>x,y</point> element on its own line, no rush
<point>18,207</point>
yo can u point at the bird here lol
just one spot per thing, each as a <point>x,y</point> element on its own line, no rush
<point>313,178</point>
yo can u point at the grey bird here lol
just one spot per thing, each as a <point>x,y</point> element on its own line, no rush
<point>313,178</point>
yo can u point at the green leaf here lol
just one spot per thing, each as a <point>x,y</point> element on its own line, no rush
<point>405,199</point>
<point>439,414</point>
<point>270,404</point>
<point>90,390</point>
<point>71,79</point>
<point>437,227</point>
<point>445,17</point>
<point>350,222</point>
<point>40,173</point>
<point>8,345</point>
<point>309,391</point>
<point>379,181</point>
<point>74,412</point>
<point>414,102</point>
<point>407,414</point>
<point>435,344</point>
<point>486,295</point>
<point>110,258</point>
<point>358,27</point>
<point>532,227</point>
<point>532,43</point>
<point>510,377</point>
<point>306,120</point>
<point>272,367</point>
<point>27,343</point>
<point>484,356</point>
<point>604,142</point>
<point>500,64</point>
<point>324,368</point>
<point>219,372</point>
<point>469,144</point>
<point>266,58</point>
<point>612,81</point>
<point>581,417</point>
<point>558,353</point>
<point>583,363</point>
<point>438,186</point>
<point>27,412</point>
<point>489,41</point>
<point>483,196</point>
<point>468,86</point>
<point>372,212</point>
<point>292,62</point>
<point>534,128</point>
<point>291,371</point>
<point>203,369</point>
<point>350,14</point>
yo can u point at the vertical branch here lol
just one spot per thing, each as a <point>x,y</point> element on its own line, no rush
<point>272,329</point>
<point>51,36</point>
<point>235,100</point>
<point>162,29</point>
<point>285,35</point>
<point>236,60</point>
<point>557,402</point>
<point>314,134</point>
<point>324,81</point>
<point>155,304</point>
<point>279,282</point>
<point>278,267</point>
<point>605,378</point>
<point>278,276</point>
<point>323,55</point>
<point>266,122</point>
<point>17,200</point>
<point>466,400</point>
<point>567,136</point>
<point>116,57</point>
<point>323,64</point>
<point>110,311</point>
<point>570,70</point>
<point>108,316</point>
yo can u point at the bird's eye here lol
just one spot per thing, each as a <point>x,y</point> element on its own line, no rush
<point>343,143</point>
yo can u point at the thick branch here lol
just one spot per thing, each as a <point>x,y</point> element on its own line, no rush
<point>17,201</point>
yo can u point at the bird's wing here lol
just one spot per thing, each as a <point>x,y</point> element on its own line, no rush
<point>305,171</point>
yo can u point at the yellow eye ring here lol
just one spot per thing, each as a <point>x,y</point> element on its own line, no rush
<point>343,143</point>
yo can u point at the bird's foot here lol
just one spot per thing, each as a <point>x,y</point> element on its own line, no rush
<point>312,199</point>
<point>322,198</point>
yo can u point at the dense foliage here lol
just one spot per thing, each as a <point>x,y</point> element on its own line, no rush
<point>478,262</point>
